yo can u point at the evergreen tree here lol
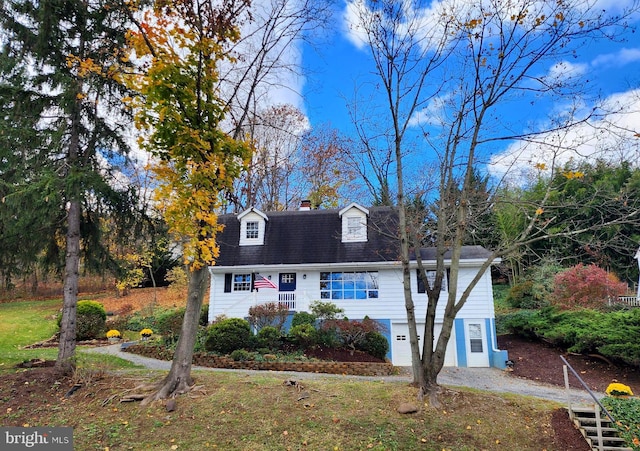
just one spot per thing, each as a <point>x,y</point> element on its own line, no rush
<point>62,63</point>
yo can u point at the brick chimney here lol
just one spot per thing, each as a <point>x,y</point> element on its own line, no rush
<point>305,205</point>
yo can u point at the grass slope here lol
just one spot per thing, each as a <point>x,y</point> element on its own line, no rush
<point>234,411</point>
<point>254,411</point>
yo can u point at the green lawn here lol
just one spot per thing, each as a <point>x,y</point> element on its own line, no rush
<point>237,411</point>
<point>24,323</point>
<point>29,322</point>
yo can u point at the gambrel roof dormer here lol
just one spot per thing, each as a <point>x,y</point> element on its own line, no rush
<point>354,223</point>
<point>252,227</point>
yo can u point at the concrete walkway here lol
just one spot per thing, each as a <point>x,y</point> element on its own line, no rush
<point>488,379</point>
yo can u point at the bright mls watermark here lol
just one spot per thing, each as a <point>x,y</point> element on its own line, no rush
<point>36,438</point>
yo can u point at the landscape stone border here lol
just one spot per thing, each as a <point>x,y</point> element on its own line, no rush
<point>214,361</point>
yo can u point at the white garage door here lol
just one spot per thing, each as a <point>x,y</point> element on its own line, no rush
<point>401,349</point>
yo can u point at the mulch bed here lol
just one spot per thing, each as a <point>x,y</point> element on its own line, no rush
<point>539,361</point>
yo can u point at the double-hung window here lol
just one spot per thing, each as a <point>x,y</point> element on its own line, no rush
<point>431,278</point>
<point>252,230</point>
<point>355,228</point>
<point>242,282</point>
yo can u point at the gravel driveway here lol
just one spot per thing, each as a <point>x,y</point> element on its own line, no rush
<point>489,379</point>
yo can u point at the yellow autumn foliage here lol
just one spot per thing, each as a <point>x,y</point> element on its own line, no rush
<point>178,111</point>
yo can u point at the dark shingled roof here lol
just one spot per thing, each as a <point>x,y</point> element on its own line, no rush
<point>314,236</point>
<point>468,253</point>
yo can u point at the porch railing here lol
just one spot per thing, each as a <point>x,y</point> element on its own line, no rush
<point>287,298</point>
<point>631,301</point>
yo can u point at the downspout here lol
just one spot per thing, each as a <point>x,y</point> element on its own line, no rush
<point>498,357</point>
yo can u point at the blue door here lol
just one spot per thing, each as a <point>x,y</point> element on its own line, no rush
<point>287,281</point>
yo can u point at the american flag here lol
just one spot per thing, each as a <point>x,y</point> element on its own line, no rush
<point>263,282</point>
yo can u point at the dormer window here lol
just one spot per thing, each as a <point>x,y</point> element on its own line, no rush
<point>252,230</point>
<point>252,227</point>
<point>354,223</point>
<point>355,228</point>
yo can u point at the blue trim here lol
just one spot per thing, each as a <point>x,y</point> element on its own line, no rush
<point>386,331</point>
<point>497,358</point>
<point>287,322</point>
<point>461,349</point>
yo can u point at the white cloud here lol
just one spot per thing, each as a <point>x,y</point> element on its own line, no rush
<point>268,55</point>
<point>428,24</point>
<point>424,24</point>
<point>434,113</point>
<point>351,19</point>
<point>612,137</point>
<point>618,59</point>
<point>565,70</point>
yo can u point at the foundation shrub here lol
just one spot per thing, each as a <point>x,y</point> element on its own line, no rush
<point>303,335</point>
<point>328,337</point>
<point>303,318</point>
<point>268,337</point>
<point>324,311</point>
<point>269,314</point>
<point>375,344</point>
<point>227,335</point>
<point>351,333</point>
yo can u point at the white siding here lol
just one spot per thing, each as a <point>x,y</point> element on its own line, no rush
<point>389,305</point>
<point>480,302</point>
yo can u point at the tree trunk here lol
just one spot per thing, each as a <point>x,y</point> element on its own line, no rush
<point>429,387</point>
<point>67,345</point>
<point>179,378</point>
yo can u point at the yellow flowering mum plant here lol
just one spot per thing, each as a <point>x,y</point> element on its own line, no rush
<point>113,334</point>
<point>146,332</point>
<point>618,389</point>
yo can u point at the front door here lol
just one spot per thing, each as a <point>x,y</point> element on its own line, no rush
<point>287,289</point>
<point>287,281</point>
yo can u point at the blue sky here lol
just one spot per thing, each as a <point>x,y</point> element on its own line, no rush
<point>612,69</point>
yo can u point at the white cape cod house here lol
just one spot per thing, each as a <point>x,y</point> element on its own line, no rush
<point>348,257</point>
